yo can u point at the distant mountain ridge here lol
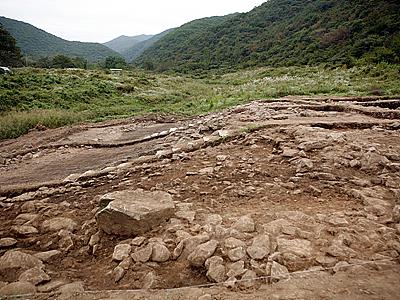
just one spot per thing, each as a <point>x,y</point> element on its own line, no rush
<point>123,42</point>
<point>284,32</point>
<point>37,43</point>
<point>135,51</point>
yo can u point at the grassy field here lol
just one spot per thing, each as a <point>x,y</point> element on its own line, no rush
<point>53,98</point>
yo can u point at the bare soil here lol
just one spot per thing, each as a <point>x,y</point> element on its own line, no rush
<point>323,158</point>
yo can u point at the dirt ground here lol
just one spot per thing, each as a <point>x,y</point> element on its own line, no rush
<point>320,173</point>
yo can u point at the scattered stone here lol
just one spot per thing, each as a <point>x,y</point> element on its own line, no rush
<point>230,282</point>
<point>178,250</point>
<point>337,221</point>
<point>249,279</point>
<point>216,272</point>
<point>142,255</point>
<point>47,255</point>
<point>236,254</point>
<point>118,273</point>
<point>94,239</point>
<point>278,272</point>
<point>244,224</point>
<point>138,241</point>
<point>121,252</point>
<point>304,165</point>
<point>341,266</point>
<point>160,253</point>
<point>260,247</point>
<point>214,219</point>
<point>18,288</point>
<point>186,215</point>
<point>126,263</point>
<point>202,252</point>
<point>205,297</point>
<point>298,247</point>
<point>232,242</point>
<point>326,261</point>
<point>19,260</point>
<point>134,212</point>
<point>24,230</point>
<point>58,223</point>
<point>236,269</point>
<point>66,243</point>
<point>149,281</point>
<point>287,152</point>
<point>69,290</point>
<point>7,242</point>
<point>35,276</point>
<point>50,286</point>
<point>217,260</point>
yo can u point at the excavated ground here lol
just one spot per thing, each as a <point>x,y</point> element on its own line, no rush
<point>320,177</point>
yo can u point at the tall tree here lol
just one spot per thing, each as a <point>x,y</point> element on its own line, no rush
<point>10,54</point>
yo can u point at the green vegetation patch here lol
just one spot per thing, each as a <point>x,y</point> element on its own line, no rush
<point>52,98</point>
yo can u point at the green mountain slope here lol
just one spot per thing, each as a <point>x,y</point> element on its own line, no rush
<point>133,52</point>
<point>37,43</point>
<point>123,42</point>
<point>176,46</point>
<point>286,32</point>
<point>10,54</point>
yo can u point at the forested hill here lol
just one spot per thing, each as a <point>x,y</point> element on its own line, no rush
<point>123,42</point>
<point>10,54</point>
<point>137,49</point>
<point>285,32</point>
<point>176,46</point>
<point>37,43</point>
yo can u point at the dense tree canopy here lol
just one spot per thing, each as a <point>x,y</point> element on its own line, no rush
<point>282,33</point>
<point>10,54</point>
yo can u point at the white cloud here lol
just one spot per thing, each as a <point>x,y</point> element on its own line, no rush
<point>101,20</point>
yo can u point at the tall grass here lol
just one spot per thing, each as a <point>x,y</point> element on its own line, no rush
<point>53,98</point>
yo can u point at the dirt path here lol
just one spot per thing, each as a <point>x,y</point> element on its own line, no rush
<point>319,177</point>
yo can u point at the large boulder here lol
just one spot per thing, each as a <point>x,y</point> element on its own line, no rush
<point>134,212</point>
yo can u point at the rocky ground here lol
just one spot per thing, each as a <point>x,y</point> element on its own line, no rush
<point>289,199</point>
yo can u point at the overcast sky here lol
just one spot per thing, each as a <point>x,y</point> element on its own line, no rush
<point>101,20</point>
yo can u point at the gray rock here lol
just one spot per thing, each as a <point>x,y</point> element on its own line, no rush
<point>126,263</point>
<point>47,255</point>
<point>186,215</point>
<point>160,253</point>
<point>232,242</point>
<point>287,152</point>
<point>35,276</point>
<point>118,273</point>
<point>236,269</point>
<point>326,261</point>
<point>205,297</point>
<point>94,239</point>
<point>134,212</point>
<point>121,252</point>
<point>50,286</point>
<point>236,254</point>
<point>178,250</point>
<point>142,255</point>
<point>216,273</point>
<point>341,266</point>
<point>249,279</point>
<point>56,224</point>
<point>19,260</point>
<point>202,252</point>
<point>244,224</point>
<point>304,165</point>
<point>260,247</point>
<point>7,242</point>
<point>24,230</point>
<point>69,290</point>
<point>149,281</point>
<point>18,288</point>
<point>214,260</point>
<point>214,219</point>
<point>275,227</point>
<point>298,247</point>
<point>278,272</point>
<point>138,241</point>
